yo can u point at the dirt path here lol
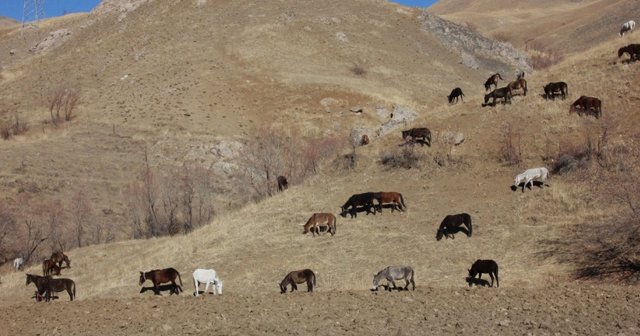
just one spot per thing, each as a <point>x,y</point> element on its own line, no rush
<point>570,309</point>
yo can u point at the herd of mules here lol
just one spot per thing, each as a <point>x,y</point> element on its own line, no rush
<point>369,202</point>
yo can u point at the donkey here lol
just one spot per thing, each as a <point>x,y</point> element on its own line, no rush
<point>587,105</point>
<point>485,266</point>
<point>207,276</point>
<point>394,198</point>
<point>528,176</point>
<point>555,88</point>
<point>392,273</point>
<point>452,224</point>
<point>17,263</point>
<point>504,93</point>
<point>47,285</point>
<point>320,219</point>
<point>358,200</point>
<point>627,27</point>
<point>49,267</point>
<point>517,85</point>
<point>633,50</point>
<point>161,276</point>
<point>283,184</point>
<point>298,277</point>
<point>455,93</point>
<point>493,80</point>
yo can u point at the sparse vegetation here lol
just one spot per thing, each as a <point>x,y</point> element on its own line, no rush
<point>15,126</point>
<point>543,57</point>
<point>63,103</point>
<point>404,157</point>
<point>502,36</point>
<point>510,150</point>
<point>358,69</point>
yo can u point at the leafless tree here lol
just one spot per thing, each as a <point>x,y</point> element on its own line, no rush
<point>80,213</point>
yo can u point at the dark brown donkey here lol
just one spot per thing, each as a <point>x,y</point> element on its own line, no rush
<point>493,80</point>
<point>59,257</point>
<point>48,285</point>
<point>633,50</point>
<point>161,276</point>
<point>298,277</point>
<point>49,267</point>
<point>485,266</point>
<point>587,105</point>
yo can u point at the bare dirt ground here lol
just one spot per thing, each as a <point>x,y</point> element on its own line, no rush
<point>556,310</point>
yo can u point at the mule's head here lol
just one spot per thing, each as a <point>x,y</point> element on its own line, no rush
<point>142,278</point>
<point>439,234</point>
<point>28,279</point>
<point>67,261</point>
<point>487,97</point>
<point>218,288</point>
<point>405,134</point>
<point>376,281</point>
<point>283,288</point>
<point>472,272</point>
<point>621,50</point>
<point>343,212</point>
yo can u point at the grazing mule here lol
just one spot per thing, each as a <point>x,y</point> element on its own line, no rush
<point>207,276</point>
<point>158,277</point>
<point>358,200</point>
<point>298,277</point>
<point>457,92</point>
<point>519,84</point>
<point>529,175</point>
<point>394,198</point>
<point>587,105</point>
<point>320,219</point>
<point>493,80</point>
<point>627,27</point>
<point>59,257</point>
<point>451,224</point>
<point>633,50</point>
<point>556,88</point>
<point>485,266</point>
<point>17,263</point>
<point>417,133</point>
<point>392,273</point>
<point>49,267</point>
<point>47,285</point>
<point>364,140</point>
<point>283,184</point>
<point>503,93</point>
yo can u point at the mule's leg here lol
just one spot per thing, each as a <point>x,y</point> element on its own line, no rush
<point>491,275</point>
<point>309,285</point>
<point>206,287</point>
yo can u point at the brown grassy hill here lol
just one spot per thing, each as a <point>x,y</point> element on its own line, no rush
<point>7,22</point>
<point>180,78</point>
<point>565,26</point>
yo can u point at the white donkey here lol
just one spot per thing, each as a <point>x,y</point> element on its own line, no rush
<point>627,27</point>
<point>17,263</point>
<point>529,175</point>
<point>207,276</point>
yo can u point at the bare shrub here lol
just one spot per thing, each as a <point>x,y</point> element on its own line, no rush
<point>358,69</point>
<point>510,151</point>
<point>63,102</point>
<point>501,36</point>
<point>8,228</point>
<point>471,26</point>
<point>347,161</point>
<point>406,157</point>
<point>13,127</point>
<point>5,130</point>
<point>80,214</point>
<point>543,57</point>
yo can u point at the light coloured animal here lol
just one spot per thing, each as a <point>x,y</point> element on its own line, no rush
<point>17,263</point>
<point>318,220</point>
<point>392,273</point>
<point>529,175</point>
<point>207,277</point>
<point>627,27</point>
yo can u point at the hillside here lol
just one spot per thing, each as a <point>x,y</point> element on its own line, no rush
<point>565,26</point>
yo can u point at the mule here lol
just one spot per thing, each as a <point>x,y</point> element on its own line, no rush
<point>529,175</point>
<point>207,277</point>
<point>485,266</point>
<point>519,84</point>
<point>49,267</point>
<point>283,184</point>
<point>627,27</point>
<point>158,277</point>
<point>587,105</point>
<point>298,277</point>
<point>454,95</point>
<point>17,263</point>
<point>394,198</point>
<point>556,88</point>
<point>452,224</point>
<point>493,80</point>
<point>364,200</point>
<point>633,50</point>
<point>47,285</point>
<point>364,140</point>
<point>320,219</point>
<point>59,257</point>
<point>392,273</point>
<point>503,93</point>
<point>422,133</point>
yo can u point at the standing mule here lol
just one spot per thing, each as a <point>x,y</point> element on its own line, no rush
<point>392,273</point>
<point>207,276</point>
<point>493,80</point>
<point>485,266</point>
<point>158,277</point>
<point>453,96</point>
<point>320,219</point>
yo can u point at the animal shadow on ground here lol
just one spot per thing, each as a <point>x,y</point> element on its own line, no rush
<point>478,282</point>
<point>534,183</point>
<point>361,209</point>
<point>421,142</point>
<point>389,288</point>
<point>163,288</point>
<point>39,297</point>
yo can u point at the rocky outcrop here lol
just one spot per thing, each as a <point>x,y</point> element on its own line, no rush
<point>475,50</point>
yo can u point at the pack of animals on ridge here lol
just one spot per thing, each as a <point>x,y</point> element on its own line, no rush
<point>318,223</point>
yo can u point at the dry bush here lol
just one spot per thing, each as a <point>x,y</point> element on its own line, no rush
<point>542,57</point>
<point>358,69</point>
<point>320,149</point>
<point>405,157</point>
<point>63,102</point>
<point>501,36</point>
<point>510,150</point>
<point>13,127</point>
<point>471,26</point>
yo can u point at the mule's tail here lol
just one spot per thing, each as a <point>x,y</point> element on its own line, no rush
<point>470,226</point>
<point>404,206</point>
